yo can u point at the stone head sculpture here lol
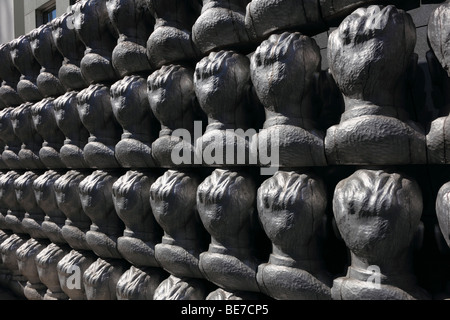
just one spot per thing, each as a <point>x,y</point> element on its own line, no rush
<point>24,129</point>
<point>291,209</point>
<point>10,78</point>
<point>34,215</point>
<point>378,215</point>
<point>10,153</point>
<point>182,289</point>
<point>101,277</point>
<point>50,59</point>
<point>131,109</point>
<point>130,194</point>
<point>11,209</point>
<point>44,191</point>
<point>222,84</point>
<point>171,40</point>
<point>172,100</point>
<point>369,54</point>
<point>133,21</point>
<point>71,48</point>
<point>139,283</point>
<point>173,201</point>
<point>43,115</point>
<point>76,135</point>
<point>221,25</point>
<point>70,270</point>
<point>439,67</point>
<point>77,223</point>
<point>96,199</point>
<point>26,261</point>
<point>283,70</point>
<point>94,28</point>
<point>225,202</point>
<point>24,60</point>
<point>47,261</point>
<point>8,249</point>
<point>438,32</point>
<point>95,110</point>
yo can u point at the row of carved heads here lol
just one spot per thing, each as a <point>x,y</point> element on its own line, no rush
<point>94,108</point>
<point>217,229</point>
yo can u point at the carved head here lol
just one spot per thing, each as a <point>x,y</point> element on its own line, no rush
<point>130,195</point>
<point>134,23</point>
<point>377,213</point>
<point>44,49</point>
<point>94,108</point>
<point>8,72</point>
<point>439,34</point>
<point>173,200</point>
<point>370,51</point>
<point>291,207</point>
<point>282,70</point>
<point>44,120</point>
<point>92,23</point>
<point>44,191</point>
<point>225,201</point>
<point>100,279</point>
<point>68,119</point>
<point>95,30</point>
<point>170,93</point>
<point>23,186</point>
<point>69,268</point>
<point>72,49</point>
<point>130,104</point>
<point>26,256</point>
<point>23,126</point>
<point>8,200</point>
<point>46,262</point>
<point>24,60</point>
<point>96,198</point>
<point>68,198</point>
<point>221,81</point>
<point>66,39</point>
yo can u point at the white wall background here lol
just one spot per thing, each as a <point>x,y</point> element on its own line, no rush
<point>6,20</point>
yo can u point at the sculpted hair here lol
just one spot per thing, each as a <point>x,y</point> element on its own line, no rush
<point>223,186</point>
<point>175,186</point>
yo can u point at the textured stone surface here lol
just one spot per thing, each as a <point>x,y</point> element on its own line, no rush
<point>378,215</point>
<point>133,22</point>
<point>291,209</point>
<point>95,194</point>
<point>171,39</point>
<point>131,193</point>
<point>173,102</point>
<point>221,25</point>
<point>230,261</point>
<point>375,120</point>
<point>173,201</point>
<point>131,109</point>
<point>94,28</point>
<point>283,70</point>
